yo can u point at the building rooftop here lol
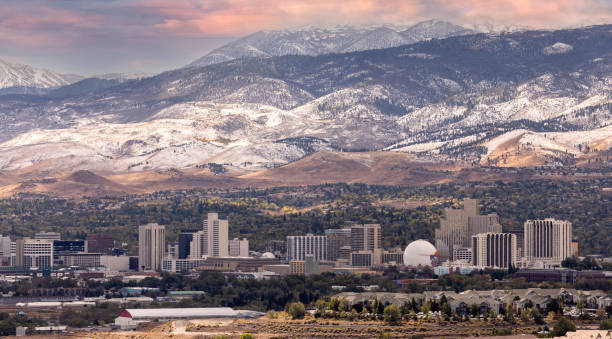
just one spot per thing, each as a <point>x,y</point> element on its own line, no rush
<point>207,312</point>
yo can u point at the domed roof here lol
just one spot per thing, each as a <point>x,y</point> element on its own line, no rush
<point>268,255</point>
<point>419,252</point>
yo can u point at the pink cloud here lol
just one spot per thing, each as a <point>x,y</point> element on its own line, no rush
<point>66,22</point>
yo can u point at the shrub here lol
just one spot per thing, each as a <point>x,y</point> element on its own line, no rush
<point>392,314</point>
<point>296,310</point>
<point>247,336</point>
<point>606,324</point>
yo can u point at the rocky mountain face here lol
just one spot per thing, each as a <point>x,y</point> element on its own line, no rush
<point>475,98</point>
<point>340,39</point>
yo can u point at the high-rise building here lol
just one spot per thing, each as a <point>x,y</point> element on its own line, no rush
<point>337,238</point>
<point>300,246</point>
<point>547,241</point>
<point>100,243</point>
<point>238,248</point>
<point>366,237</point>
<point>33,253</point>
<point>184,243</point>
<point>151,243</point>
<point>497,250</point>
<point>459,225</point>
<point>214,241</point>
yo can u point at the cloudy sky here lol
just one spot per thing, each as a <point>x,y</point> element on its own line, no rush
<point>101,36</point>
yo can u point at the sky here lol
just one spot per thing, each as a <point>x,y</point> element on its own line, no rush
<point>102,36</point>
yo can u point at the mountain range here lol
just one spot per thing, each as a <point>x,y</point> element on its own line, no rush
<point>508,99</point>
<point>339,39</point>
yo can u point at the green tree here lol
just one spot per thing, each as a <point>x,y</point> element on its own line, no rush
<point>563,326</point>
<point>392,314</point>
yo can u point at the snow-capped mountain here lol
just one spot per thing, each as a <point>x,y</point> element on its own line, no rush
<point>544,95</point>
<point>339,39</point>
<point>18,75</point>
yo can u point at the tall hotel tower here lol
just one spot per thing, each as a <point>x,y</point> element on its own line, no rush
<point>547,241</point>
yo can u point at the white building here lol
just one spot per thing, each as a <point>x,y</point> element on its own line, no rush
<point>238,248</point>
<point>214,238</point>
<point>151,243</point>
<point>301,245</point>
<point>129,318</point>
<point>496,250</point>
<point>181,265</point>
<point>547,242</point>
<point>33,253</point>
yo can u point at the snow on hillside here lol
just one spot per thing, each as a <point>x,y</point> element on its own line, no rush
<point>19,75</point>
<point>322,40</point>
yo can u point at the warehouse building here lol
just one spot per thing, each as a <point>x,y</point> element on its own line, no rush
<point>130,318</point>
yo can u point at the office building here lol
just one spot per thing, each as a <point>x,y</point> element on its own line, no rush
<point>366,237</point>
<point>300,246</point>
<point>100,243</point>
<point>366,258</point>
<point>79,259</point>
<point>463,254</point>
<point>547,242</point>
<point>238,248</point>
<point>393,257</point>
<point>184,242</point>
<point>32,253</point>
<point>496,250</point>
<point>459,225</point>
<point>337,238</point>
<point>47,236</point>
<point>151,243</point>
<point>62,248</point>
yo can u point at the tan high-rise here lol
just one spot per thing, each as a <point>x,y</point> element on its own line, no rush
<point>547,241</point>
<point>459,225</point>
<point>496,250</point>
<point>151,242</point>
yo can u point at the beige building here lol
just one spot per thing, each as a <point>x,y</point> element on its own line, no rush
<point>151,243</point>
<point>547,242</point>
<point>33,253</point>
<point>496,250</point>
<point>238,248</point>
<point>459,225</point>
<point>366,237</point>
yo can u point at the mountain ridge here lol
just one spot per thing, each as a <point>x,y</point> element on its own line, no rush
<point>440,99</point>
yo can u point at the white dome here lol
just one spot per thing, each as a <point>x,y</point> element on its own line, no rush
<point>268,255</point>
<point>419,252</point>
